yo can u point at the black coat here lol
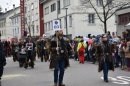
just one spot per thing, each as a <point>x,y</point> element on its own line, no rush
<point>2,56</point>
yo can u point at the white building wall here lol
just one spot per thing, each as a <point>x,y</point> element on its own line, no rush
<point>80,25</point>
<point>32,12</point>
<point>16,27</point>
<point>8,28</point>
<point>2,29</point>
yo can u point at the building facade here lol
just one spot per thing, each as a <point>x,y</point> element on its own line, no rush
<point>32,17</point>
<point>123,18</point>
<point>6,23</point>
<point>78,23</point>
<point>16,29</point>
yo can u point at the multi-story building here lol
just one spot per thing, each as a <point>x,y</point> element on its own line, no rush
<point>78,23</point>
<point>123,18</point>
<point>6,23</point>
<point>32,17</point>
<point>16,29</point>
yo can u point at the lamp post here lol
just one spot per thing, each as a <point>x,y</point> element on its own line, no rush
<point>66,20</point>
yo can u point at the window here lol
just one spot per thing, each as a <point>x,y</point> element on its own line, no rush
<point>46,26</point>
<point>59,7</point>
<point>66,3</point>
<point>28,8</point>
<point>64,21</point>
<point>99,2</point>
<point>46,10</point>
<point>33,29</point>
<point>13,32</point>
<point>70,20</point>
<point>32,17</point>
<point>53,7</point>
<point>91,18</point>
<point>60,23</point>
<point>49,26</point>
<point>18,30</point>
<point>32,6</point>
<point>25,9</point>
<point>36,4</point>
<point>17,20</point>
<point>2,33</point>
<point>37,29</point>
<point>36,16</point>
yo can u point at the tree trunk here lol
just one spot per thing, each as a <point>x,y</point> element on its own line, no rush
<point>29,31</point>
<point>105,26</point>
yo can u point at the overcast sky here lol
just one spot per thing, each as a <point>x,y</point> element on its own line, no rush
<point>9,4</point>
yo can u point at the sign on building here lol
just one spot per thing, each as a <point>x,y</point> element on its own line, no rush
<point>56,25</point>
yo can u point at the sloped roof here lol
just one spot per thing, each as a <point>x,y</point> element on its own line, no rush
<point>4,15</point>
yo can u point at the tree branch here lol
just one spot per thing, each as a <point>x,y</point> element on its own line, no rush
<point>96,11</point>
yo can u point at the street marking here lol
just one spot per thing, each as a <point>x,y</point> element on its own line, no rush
<point>122,80</point>
<point>11,76</point>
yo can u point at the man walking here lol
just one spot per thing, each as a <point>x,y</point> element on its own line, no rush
<point>59,58</point>
<point>104,55</point>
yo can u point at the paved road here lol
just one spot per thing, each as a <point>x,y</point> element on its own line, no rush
<point>76,75</point>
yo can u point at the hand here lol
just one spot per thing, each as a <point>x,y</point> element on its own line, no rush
<point>57,48</point>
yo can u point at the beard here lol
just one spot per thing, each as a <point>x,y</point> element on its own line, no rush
<point>60,34</point>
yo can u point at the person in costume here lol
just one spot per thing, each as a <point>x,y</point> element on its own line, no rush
<point>30,48</point>
<point>59,58</point>
<point>81,50</point>
<point>104,54</point>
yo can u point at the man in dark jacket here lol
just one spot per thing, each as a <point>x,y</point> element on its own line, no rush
<point>59,58</point>
<point>2,60</point>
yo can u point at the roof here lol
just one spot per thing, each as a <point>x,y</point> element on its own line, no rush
<point>123,8</point>
<point>16,15</point>
<point>42,1</point>
<point>4,15</point>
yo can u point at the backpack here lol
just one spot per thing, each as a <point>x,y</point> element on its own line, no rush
<point>81,50</point>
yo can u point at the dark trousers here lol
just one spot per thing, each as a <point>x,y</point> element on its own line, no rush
<point>1,71</point>
<point>60,66</point>
<point>105,70</point>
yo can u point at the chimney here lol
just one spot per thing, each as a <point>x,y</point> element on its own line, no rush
<point>5,10</point>
<point>13,6</point>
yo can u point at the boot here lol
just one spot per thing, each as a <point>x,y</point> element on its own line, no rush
<point>61,84</point>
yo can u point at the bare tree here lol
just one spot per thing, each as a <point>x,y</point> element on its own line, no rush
<point>104,9</point>
<point>29,24</point>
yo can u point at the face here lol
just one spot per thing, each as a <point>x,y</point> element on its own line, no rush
<point>22,40</point>
<point>104,38</point>
<point>126,32</point>
<point>61,32</point>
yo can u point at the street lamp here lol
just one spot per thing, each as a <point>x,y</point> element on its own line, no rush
<point>66,20</point>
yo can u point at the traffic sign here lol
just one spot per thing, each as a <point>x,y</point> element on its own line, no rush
<point>56,25</point>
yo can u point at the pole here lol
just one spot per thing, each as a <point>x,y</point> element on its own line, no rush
<point>57,9</point>
<point>66,23</point>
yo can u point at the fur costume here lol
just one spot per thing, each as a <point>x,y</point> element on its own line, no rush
<point>53,52</point>
<point>100,55</point>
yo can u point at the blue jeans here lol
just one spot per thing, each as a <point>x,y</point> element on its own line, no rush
<point>59,66</point>
<point>117,60</point>
<point>105,70</point>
